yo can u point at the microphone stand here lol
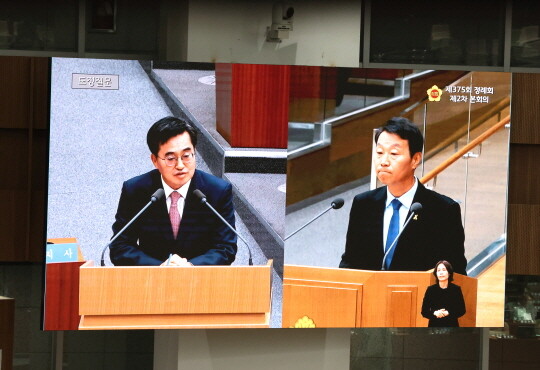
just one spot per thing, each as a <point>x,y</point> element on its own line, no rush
<point>158,194</point>
<point>314,218</point>
<point>395,240</point>
<point>202,197</point>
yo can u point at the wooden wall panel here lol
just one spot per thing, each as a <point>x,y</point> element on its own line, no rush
<point>224,99</point>
<point>13,226</point>
<point>260,108</point>
<point>38,194</point>
<point>307,82</point>
<point>36,226</point>
<point>524,174</point>
<point>7,322</point>
<point>15,92</point>
<point>259,105</point>
<point>306,97</point>
<point>14,149</point>
<point>525,108</point>
<point>40,92</point>
<point>14,194</point>
<point>313,93</point>
<point>523,252</point>
<point>24,118</point>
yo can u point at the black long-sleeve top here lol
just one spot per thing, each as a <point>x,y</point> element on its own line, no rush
<point>451,299</point>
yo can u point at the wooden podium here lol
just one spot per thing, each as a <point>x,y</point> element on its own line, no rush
<point>154,297</point>
<point>332,297</point>
<point>61,300</point>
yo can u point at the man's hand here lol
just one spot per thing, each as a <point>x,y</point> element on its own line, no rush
<point>440,313</point>
<point>176,261</point>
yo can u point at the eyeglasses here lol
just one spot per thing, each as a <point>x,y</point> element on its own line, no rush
<point>172,160</point>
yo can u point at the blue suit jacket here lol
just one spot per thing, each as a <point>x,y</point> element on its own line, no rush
<point>436,234</point>
<point>202,238</point>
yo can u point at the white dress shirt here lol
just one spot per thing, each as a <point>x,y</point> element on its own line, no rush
<point>183,192</point>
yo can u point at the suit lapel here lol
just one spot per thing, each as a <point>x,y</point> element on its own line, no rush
<point>419,197</point>
<point>411,231</point>
<point>378,215</point>
<point>190,205</point>
<point>160,210</point>
<point>191,200</point>
<point>161,204</point>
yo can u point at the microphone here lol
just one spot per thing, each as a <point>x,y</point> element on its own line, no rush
<point>159,193</point>
<point>199,194</point>
<point>336,204</point>
<point>415,208</point>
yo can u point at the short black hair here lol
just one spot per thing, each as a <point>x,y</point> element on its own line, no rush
<point>166,128</point>
<point>406,130</point>
<point>449,268</point>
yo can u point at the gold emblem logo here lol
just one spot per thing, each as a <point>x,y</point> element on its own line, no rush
<point>434,93</point>
<point>415,217</point>
<point>304,322</point>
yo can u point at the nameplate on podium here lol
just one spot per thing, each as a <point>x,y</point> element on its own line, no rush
<point>65,252</point>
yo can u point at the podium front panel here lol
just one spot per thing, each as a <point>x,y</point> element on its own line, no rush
<point>174,290</point>
<point>155,297</point>
<point>328,296</point>
<point>317,305</point>
<point>401,306</point>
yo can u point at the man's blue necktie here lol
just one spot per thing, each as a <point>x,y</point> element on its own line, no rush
<point>393,231</point>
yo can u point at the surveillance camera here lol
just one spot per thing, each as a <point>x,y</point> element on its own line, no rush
<point>282,17</point>
<point>288,13</point>
<point>282,22</point>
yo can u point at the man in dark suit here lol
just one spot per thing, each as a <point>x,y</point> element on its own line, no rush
<point>177,230</point>
<point>434,233</point>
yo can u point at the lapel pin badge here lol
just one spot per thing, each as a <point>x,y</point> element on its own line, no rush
<point>415,217</point>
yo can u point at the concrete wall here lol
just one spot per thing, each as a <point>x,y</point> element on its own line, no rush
<point>326,33</point>
<point>298,349</point>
